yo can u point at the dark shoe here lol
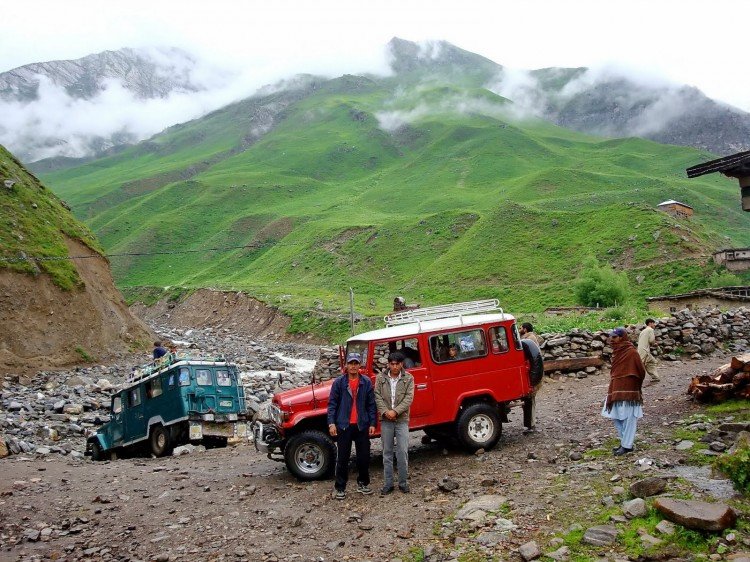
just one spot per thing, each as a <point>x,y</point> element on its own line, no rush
<point>364,489</point>
<point>405,488</point>
<point>339,494</point>
<point>386,490</point>
<point>622,451</point>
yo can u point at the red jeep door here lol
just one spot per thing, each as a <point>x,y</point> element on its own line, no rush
<point>414,361</point>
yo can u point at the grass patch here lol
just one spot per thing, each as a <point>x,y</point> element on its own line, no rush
<point>739,409</point>
<point>84,355</point>
<point>414,554</point>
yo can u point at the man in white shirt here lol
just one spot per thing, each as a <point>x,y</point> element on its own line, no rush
<point>394,393</point>
<point>645,339</point>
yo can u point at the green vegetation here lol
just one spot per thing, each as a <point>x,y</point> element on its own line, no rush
<point>736,466</point>
<point>414,554</point>
<point>34,222</point>
<point>427,188</point>
<point>599,285</point>
<point>84,354</point>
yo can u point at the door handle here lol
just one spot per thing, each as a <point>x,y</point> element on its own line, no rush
<point>421,386</point>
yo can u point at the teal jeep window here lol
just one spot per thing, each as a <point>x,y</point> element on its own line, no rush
<point>184,376</point>
<point>223,378</point>
<point>134,397</point>
<point>116,405</point>
<point>154,388</point>
<point>203,377</point>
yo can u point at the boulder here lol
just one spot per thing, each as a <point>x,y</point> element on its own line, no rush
<point>634,508</point>
<point>698,515</point>
<point>529,551</point>
<point>600,535</point>
<point>484,503</point>
<point>648,487</point>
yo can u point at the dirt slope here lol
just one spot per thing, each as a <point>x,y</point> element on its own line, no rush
<point>44,326</point>
<point>236,311</point>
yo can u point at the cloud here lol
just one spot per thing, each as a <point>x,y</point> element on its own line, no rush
<point>455,104</point>
<point>57,124</point>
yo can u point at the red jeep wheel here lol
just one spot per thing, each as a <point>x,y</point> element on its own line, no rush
<point>479,427</point>
<point>310,455</point>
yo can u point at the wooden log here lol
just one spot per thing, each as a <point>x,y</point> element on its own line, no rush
<point>738,362</point>
<point>573,364</point>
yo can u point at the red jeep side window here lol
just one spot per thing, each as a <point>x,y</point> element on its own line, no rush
<point>456,346</point>
<point>499,339</point>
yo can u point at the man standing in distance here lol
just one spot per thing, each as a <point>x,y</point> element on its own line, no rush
<point>624,404</point>
<point>394,393</point>
<point>645,340</point>
<point>159,350</point>
<point>527,333</point>
<point>351,419</point>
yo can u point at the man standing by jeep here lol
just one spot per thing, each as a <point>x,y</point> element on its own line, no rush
<point>394,393</point>
<point>352,419</point>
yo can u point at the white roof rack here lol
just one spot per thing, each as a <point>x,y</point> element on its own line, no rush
<point>442,311</point>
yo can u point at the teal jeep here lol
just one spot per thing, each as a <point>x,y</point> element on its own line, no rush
<point>170,402</point>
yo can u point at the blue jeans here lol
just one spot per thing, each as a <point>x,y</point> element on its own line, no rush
<point>400,431</point>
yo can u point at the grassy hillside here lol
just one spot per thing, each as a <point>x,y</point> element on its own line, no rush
<point>34,222</point>
<point>430,190</point>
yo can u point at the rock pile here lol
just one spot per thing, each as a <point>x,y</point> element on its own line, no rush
<point>695,333</point>
<point>53,412</point>
<point>692,333</point>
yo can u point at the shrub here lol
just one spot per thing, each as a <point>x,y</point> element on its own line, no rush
<point>737,467</point>
<point>724,279</point>
<point>600,285</point>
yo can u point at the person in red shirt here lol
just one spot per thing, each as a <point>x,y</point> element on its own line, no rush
<point>352,417</point>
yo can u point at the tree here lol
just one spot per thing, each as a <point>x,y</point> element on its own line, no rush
<point>600,285</point>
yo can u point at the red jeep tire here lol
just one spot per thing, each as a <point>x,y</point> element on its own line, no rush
<point>479,427</point>
<point>310,455</point>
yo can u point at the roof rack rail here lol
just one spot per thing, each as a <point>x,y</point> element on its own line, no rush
<point>145,371</point>
<point>442,311</point>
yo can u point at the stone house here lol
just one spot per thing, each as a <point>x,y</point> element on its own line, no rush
<point>720,297</point>
<point>734,259</point>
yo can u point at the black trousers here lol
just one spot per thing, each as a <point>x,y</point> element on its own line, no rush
<point>344,440</point>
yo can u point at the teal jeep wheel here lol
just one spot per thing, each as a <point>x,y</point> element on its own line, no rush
<point>160,442</point>
<point>310,455</point>
<point>96,451</point>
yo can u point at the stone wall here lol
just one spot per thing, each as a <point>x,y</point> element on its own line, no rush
<point>685,334</point>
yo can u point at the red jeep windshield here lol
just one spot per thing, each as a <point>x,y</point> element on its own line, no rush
<point>358,347</point>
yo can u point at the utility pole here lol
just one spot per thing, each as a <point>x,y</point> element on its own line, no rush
<point>351,308</point>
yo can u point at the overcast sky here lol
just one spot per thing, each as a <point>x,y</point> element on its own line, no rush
<point>693,42</point>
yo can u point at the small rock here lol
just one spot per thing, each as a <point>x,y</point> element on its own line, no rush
<point>529,551</point>
<point>634,508</point>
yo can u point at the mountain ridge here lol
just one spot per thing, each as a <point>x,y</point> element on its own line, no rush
<point>608,105</point>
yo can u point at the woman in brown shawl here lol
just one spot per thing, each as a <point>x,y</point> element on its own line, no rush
<point>624,403</point>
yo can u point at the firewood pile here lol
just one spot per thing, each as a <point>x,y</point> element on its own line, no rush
<point>728,381</point>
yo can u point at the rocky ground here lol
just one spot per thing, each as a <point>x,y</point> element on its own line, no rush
<point>234,504</point>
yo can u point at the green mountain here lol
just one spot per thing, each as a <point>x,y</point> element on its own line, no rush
<point>34,222</point>
<point>421,184</point>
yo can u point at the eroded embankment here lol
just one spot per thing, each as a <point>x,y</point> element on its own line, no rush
<point>234,311</point>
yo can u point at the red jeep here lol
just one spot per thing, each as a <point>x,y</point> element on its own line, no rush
<point>468,363</point>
